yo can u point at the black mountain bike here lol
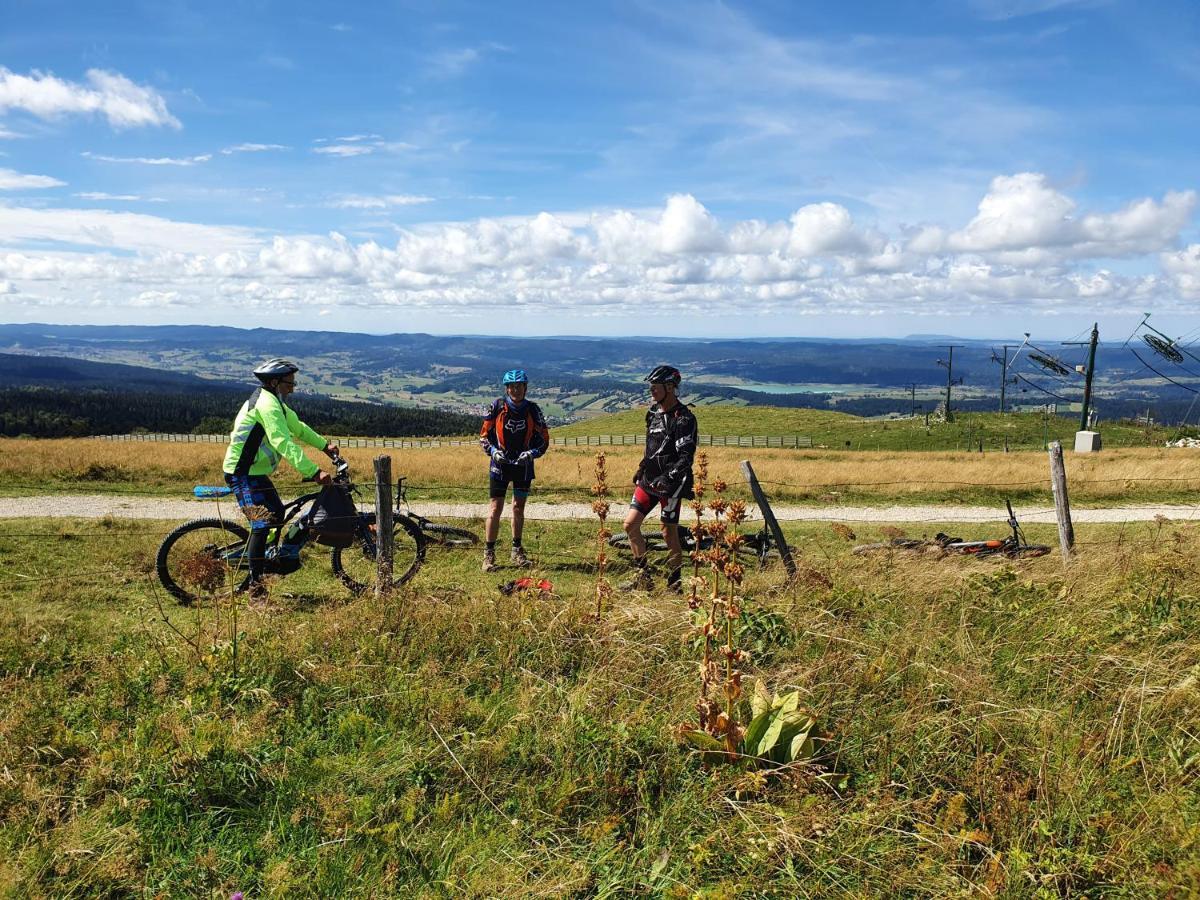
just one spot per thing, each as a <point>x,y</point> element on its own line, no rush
<point>758,544</point>
<point>206,558</point>
<point>1014,546</point>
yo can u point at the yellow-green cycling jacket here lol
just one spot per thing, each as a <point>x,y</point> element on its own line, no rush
<point>264,432</point>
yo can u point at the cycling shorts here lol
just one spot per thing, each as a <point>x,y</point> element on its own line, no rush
<point>257,491</point>
<point>519,476</point>
<point>644,502</point>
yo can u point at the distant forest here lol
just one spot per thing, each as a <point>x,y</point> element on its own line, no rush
<point>55,412</point>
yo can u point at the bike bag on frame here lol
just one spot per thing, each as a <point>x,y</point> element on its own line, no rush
<point>333,517</point>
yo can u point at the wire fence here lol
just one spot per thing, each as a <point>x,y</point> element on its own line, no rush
<point>876,441</point>
<point>782,441</point>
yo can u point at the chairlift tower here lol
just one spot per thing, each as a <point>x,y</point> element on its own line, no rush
<point>948,365</point>
<point>1004,382</point>
<point>1087,440</point>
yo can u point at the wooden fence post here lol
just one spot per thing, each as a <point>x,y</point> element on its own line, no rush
<point>383,526</point>
<point>1062,504</point>
<point>769,517</point>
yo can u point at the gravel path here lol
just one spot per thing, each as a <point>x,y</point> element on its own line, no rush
<point>95,506</point>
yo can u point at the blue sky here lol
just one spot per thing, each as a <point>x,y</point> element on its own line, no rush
<point>976,168</point>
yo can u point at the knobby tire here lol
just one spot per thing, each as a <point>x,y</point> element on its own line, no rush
<point>355,565</point>
<point>191,571</point>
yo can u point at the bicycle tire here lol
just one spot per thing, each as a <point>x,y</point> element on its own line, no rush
<point>355,565</point>
<point>448,535</point>
<point>1029,551</point>
<point>193,571</point>
<point>893,544</point>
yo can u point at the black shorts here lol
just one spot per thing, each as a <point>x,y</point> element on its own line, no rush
<point>517,475</point>
<point>644,502</point>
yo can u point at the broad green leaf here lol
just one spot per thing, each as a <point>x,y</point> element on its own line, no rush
<point>787,702</point>
<point>793,735</point>
<point>755,731</point>
<point>760,701</point>
<point>777,719</point>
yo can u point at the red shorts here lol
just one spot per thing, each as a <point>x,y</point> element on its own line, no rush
<point>644,502</point>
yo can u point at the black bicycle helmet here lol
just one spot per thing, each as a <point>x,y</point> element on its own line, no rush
<point>665,375</point>
<point>275,368</point>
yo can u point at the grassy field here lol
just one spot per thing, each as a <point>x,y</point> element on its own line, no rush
<point>838,431</point>
<point>1001,729</point>
<point>819,477</point>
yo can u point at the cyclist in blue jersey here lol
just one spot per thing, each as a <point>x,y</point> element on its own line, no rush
<point>513,435</point>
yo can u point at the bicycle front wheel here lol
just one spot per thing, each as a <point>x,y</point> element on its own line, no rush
<point>357,565</point>
<point>203,559</point>
<point>448,535</point>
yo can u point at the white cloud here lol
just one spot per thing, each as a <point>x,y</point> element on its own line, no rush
<point>358,201</point>
<point>1022,213</point>
<point>6,135</point>
<point>17,181</point>
<point>252,148</point>
<point>119,231</point>
<point>1183,267</point>
<point>151,160</point>
<point>7,287</point>
<point>344,150</point>
<point>109,94</point>
<point>687,227</point>
<point>101,195</point>
<point>1028,248</point>
<point>455,61</point>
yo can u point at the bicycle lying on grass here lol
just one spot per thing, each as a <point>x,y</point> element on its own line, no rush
<point>206,557</point>
<point>1014,546</point>
<point>759,544</point>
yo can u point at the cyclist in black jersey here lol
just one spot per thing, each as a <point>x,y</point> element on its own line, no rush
<point>664,477</point>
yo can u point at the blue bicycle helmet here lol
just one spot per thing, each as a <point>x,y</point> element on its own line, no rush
<point>515,376</point>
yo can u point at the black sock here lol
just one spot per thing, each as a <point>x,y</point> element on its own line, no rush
<point>639,562</point>
<point>676,577</point>
<point>256,550</point>
<point>516,542</point>
<point>491,546</point>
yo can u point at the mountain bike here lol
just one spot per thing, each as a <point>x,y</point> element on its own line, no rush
<point>1014,546</point>
<point>758,544</point>
<point>206,557</point>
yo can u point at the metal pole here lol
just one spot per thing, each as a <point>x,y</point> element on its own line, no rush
<point>1087,383</point>
<point>383,526</point>
<point>949,376</point>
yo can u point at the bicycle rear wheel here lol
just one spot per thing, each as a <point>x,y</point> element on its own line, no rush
<point>1028,551</point>
<point>203,559</point>
<point>357,565</point>
<point>448,535</point>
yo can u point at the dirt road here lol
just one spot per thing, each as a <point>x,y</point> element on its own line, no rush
<point>95,506</point>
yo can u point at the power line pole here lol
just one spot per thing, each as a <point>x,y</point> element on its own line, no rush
<point>948,365</point>
<point>1004,370</point>
<point>913,389</point>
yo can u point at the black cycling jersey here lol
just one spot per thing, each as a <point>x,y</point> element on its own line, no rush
<point>671,438</point>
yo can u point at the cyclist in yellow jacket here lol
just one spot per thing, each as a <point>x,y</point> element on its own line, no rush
<point>265,432</point>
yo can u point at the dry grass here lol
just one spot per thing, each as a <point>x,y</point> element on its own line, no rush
<point>997,729</point>
<point>1113,476</point>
